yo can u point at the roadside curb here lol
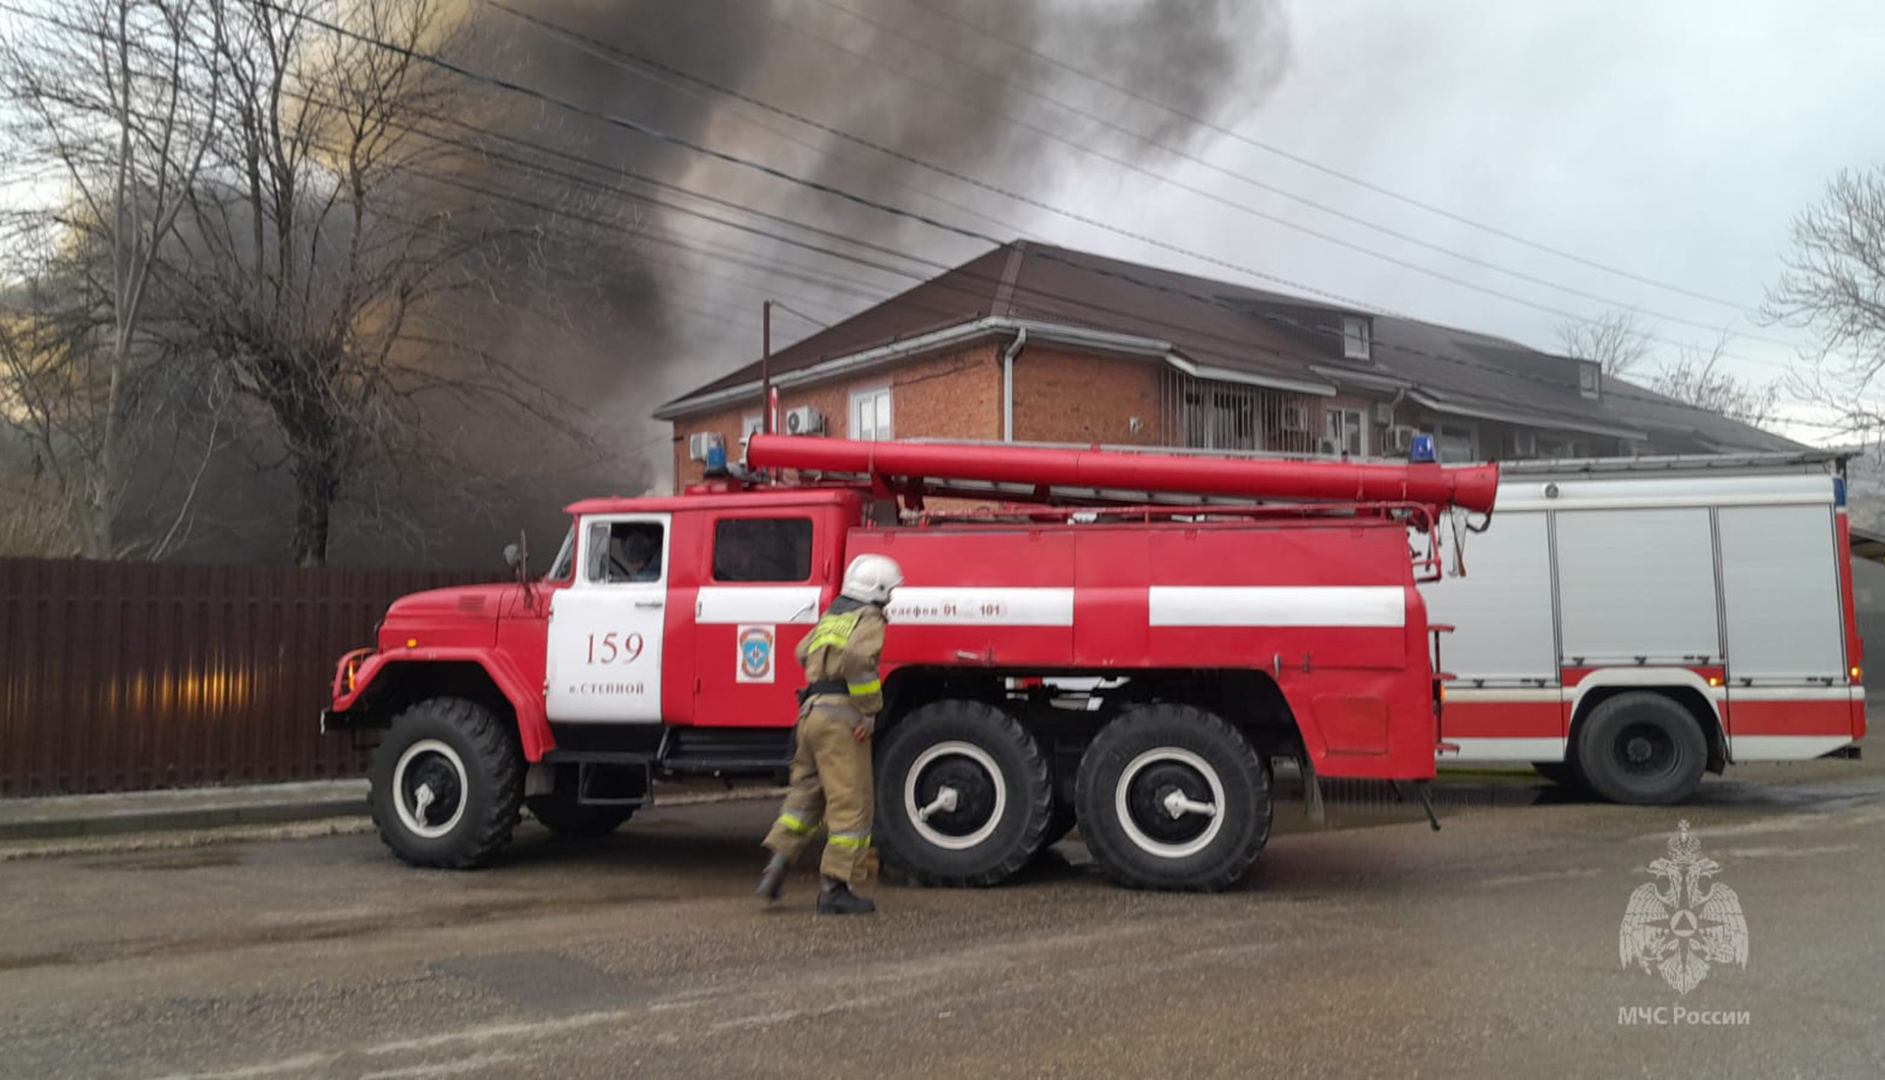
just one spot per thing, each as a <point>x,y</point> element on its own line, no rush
<point>74,822</point>
<point>93,816</point>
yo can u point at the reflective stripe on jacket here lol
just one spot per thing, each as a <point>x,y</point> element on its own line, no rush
<point>846,646</point>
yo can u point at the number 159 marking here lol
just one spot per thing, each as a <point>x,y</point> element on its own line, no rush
<point>614,648</point>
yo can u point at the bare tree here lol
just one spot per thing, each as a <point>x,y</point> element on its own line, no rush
<point>40,393</point>
<point>1695,377</point>
<point>1834,285</point>
<point>1613,339</point>
<point>321,259</point>
<point>113,104</point>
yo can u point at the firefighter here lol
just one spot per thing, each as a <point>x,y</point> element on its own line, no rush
<point>831,767</point>
<point>638,555</point>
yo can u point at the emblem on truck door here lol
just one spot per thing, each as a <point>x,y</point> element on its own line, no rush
<point>1688,923</point>
<point>755,659</point>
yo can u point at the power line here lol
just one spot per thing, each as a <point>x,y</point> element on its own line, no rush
<point>789,310</point>
<point>1309,163</point>
<point>1231,203</point>
<point>625,59</point>
<point>659,69</point>
<point>1238,343</point>
<point>638,128</point>
<point>850,196</point>
<point>988,280</point>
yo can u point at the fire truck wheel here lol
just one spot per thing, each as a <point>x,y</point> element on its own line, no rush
<point>1173,797</point>
<point>1641,748</point>
<point>447,784</point>
<point>564,817</point>
<point>962,795</point>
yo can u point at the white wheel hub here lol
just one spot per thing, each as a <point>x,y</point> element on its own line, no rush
<point>1173,804</point>
<point>415,807</point>
<point>1177,805</point>
<point>944,803</point>
<point>976,769</point>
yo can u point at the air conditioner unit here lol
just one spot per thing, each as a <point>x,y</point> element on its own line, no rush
<point>700,442</point>
<point>1294,418</point>
<point>1384,413</point>
<point>804,420</point>
<point>1403,437</point>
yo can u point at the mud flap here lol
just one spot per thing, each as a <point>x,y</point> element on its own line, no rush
<point>1312,791</point>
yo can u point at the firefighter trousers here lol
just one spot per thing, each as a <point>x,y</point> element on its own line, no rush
<point>831,784</point>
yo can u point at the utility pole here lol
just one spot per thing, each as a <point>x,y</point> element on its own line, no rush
<point>765,368</point>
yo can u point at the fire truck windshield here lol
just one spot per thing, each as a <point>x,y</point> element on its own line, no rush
<point>564,562</point>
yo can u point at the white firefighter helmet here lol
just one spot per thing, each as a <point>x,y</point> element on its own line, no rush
<point>870,578</point>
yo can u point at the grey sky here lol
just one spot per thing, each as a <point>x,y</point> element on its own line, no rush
<point>1672,138</point>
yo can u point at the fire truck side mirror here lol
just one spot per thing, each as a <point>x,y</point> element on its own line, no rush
<point>517,557</point>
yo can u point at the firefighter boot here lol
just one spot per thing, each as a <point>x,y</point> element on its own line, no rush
<point>836,898</point>
<point>772,881</point>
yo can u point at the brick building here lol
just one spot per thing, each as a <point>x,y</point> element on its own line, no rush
<point>1033,343</point>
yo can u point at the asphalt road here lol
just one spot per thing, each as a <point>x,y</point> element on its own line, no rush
<point>1488,949</point>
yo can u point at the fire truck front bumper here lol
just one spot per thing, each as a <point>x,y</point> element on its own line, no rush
<point>345,691</point>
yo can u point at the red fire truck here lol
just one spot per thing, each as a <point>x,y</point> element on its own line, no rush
<point>1628,624</point>
<point>1237,611</point>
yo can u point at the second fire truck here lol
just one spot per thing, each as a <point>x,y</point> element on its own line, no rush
<point>1632,623</point>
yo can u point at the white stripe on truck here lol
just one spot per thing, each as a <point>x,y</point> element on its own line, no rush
<point>1536,749</point>
<point>984,606</point>
<point>1179,605</point>
<point>1279,605</point>
<point>757,604</point>
<point>1784,747</point>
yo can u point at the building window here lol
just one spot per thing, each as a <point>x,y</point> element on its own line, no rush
<point>1347,432</point>
<point>1454,442</point>
<point>870,414</point>
<point>762,549</point>
<point>1205,414</point>
<point>1590,379</point>
<point>1559,448</point>
<point>1355,338</point>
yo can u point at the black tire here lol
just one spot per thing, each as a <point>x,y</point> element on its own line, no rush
<point>565,817</point>
<point>1000,781</point>
<point>480,794</point>
<point>1641,748</point>
<point>1144,757</point>
<point>1562,773</point>
<point>1061,814</point>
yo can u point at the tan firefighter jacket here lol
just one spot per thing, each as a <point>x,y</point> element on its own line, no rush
<point>841,654</point>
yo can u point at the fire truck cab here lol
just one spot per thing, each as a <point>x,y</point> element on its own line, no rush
<point>1222,633</point>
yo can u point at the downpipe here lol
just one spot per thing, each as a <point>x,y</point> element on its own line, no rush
<point>1007,383</point>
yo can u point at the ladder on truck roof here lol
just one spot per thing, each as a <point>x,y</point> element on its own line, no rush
<point>1809,462</point>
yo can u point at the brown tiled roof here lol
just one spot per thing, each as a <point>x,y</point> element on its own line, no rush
<point>1265,334</point>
